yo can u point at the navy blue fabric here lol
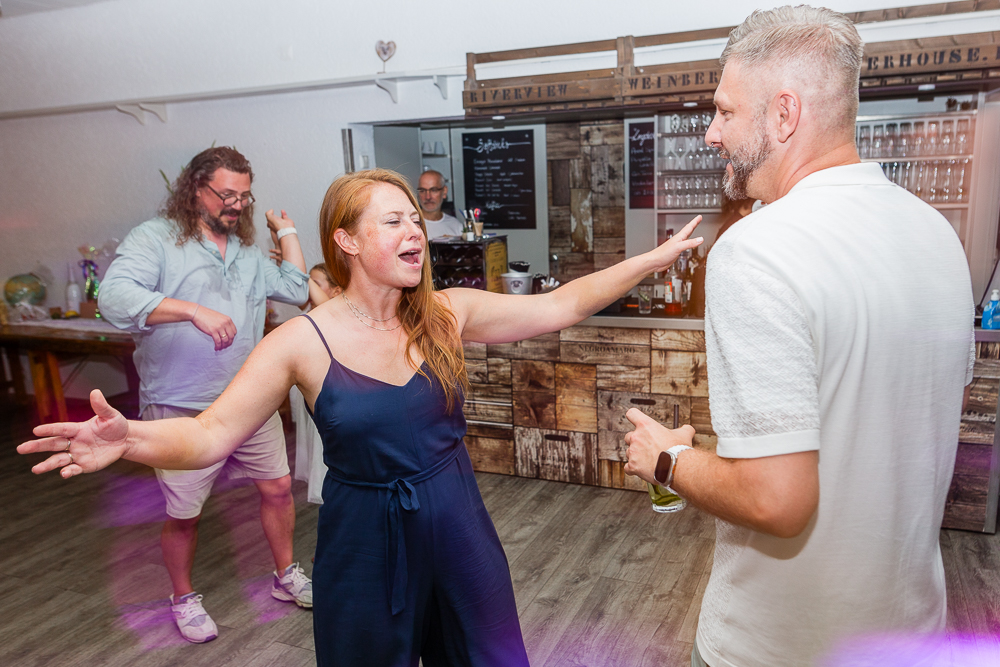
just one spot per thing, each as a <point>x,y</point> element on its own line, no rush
<point>408,563</point>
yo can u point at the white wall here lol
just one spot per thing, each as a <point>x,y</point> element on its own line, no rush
<point>90,173</point>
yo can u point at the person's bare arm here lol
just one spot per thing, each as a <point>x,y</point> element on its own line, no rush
<point>213,323</point>
<point>175,444</point>
<point>486,317</point>
<point>777,495</point>
<point>291,249</point>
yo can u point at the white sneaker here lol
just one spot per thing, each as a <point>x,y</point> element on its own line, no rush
<point>293,586</point>
<point>192,620</point>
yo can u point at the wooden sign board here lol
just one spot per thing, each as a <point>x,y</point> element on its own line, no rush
<point>902,64</point>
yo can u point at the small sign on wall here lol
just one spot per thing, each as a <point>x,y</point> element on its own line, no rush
<point>499,170</point>
<point>641,165</point>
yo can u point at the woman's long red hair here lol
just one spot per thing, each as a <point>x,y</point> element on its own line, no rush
<point>430,325</point>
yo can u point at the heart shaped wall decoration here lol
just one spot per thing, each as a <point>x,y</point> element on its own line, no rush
<point>385,50</point>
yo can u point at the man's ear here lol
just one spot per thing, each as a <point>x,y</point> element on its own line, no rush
<point>789,112</point>
<point>346,242</point>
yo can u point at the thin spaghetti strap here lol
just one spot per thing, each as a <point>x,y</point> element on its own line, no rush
<point>313,322</point>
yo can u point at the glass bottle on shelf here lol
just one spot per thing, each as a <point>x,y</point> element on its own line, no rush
<point>962,137</point>
<point>889,149</point>
<point>904,139</point>
<point>878,139</point>
<point>864,142</point>
<point>931,144</point>
<point>947,137</point>
<point>918,139</point>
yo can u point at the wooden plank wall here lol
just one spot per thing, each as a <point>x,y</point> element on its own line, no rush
<point>973,496</point>
<point>586,196</point>
<point>553,407</point>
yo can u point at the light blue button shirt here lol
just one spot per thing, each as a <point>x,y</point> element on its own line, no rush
<point>178,364</point>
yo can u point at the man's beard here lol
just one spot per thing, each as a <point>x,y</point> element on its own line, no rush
<point>745,161</point>
<point>220,226</point>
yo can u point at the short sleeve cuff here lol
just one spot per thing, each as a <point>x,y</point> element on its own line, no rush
<point>759,446</point>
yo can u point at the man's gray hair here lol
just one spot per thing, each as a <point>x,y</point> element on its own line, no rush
<point>823,46</point>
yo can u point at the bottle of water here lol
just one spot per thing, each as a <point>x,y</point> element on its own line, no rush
<point>991,313</point>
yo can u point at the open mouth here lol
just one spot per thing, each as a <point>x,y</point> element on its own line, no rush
<point>411,257</point>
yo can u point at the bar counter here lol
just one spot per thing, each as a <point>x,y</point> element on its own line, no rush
<point>552,407</point>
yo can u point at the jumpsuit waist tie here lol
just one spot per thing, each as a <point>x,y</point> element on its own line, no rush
<point>402,497</point>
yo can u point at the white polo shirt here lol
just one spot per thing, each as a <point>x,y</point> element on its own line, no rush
<point>840,319</point>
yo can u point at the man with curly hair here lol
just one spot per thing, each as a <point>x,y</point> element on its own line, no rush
<point>192,287</point>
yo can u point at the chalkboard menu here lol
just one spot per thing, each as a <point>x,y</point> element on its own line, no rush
<point>641,165</point>
<point>499,172</point>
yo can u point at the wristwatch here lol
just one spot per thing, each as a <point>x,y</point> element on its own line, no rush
<point>665,466</point>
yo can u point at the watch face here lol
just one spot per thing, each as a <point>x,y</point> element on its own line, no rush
<point>663,466</point>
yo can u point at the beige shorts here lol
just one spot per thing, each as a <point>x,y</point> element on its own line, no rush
<point>262,456</point>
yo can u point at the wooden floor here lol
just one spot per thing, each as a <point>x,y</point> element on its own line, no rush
<point>599,578</point>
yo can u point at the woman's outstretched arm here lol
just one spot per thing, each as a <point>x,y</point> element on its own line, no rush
<point>486,317</point>
<point>174,444</point>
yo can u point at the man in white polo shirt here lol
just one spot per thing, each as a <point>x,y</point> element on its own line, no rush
<point>431,192</point>
<point>839,339</point>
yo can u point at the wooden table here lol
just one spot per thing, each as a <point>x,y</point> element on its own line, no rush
<point>44,345</point>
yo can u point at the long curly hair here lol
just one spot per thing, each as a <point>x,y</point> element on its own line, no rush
<point>182,205</point>
<point>430,325</point>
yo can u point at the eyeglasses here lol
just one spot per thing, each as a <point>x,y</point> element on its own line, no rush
<point>230,200</point>
<point>433,191</point>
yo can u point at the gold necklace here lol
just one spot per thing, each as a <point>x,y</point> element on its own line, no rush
<point>358,314</point>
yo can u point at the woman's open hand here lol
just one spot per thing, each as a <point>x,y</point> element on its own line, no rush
<point>668,252</point>
<point>81,446</point>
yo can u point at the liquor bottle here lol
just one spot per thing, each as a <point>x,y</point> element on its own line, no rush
<point>673,292</point>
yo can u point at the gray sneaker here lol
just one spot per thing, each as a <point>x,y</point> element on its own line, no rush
<point>293,585</point>
<point>192,620</point>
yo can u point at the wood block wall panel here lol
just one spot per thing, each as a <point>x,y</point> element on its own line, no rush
<point>584,334</point>
<point>581,222</point>
<point>559,185</point>
<point>673,372</point>
<point>498,371</point>
<point>602,133</point>
<point>576,398</point>
<point>535,409</point>
<point>489,430</point>
<point>607,175</point>
<point>701,417</point>
<point>561,400</point>
<point>562,141</point>
<point>609,222</point>
<point>491,454</point>
<point>973,495</point>
<point>579,173</point>
<point>556,455</point>
<point>544,347</point>
<point>477,370</point>
<point>612,354</point>
<point>534,386</point>
<point>474,350</point>
<point>587,160</point>
<point>612,475</point>
<point>489,403</point>
<point>622,378</point>
<point>612,424</point>
<point>559,228</point>
<point>682,341</point>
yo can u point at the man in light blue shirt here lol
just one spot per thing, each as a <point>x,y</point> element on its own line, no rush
<point>192,288</point>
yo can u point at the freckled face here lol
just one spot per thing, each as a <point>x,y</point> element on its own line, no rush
<point>390,238</point>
